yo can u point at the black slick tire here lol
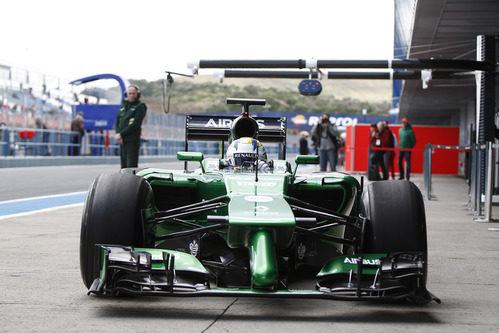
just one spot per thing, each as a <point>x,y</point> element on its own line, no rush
<point>112,215</point>
<point>396,214</point>
<point>397,223</point>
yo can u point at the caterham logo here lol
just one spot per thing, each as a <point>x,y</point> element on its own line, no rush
<point>194,248</point>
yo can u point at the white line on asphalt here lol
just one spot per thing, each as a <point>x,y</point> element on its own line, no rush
<point>39,211</point>
<point>43,197</point>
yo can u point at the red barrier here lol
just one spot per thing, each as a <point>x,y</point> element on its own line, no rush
<point>444,161</point>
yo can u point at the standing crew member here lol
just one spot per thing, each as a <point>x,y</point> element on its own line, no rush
<point>372,162</point>
<point>407,141</point>
<point>128,127</point>
<point>383,155</point>
<point>304,143</point>
<point>77,125</point>
<point>391,153</point>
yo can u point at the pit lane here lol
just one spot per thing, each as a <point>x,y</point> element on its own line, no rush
<point>42,288</point>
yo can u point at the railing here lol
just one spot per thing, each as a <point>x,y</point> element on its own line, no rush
<point>427,163</point>
<point>35,142</point>
<point>28,142</point>
<point>481,175</point>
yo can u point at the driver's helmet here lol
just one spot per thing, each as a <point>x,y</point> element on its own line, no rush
<point>242,153</point>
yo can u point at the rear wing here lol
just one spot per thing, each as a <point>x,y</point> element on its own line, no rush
<point>217,128</point>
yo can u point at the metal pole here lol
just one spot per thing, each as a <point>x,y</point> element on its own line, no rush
<point>395,63</point>
<point>479,180</point>
<point>427,171</point>
<point>489,184</point>
<point>402,75</point>
<point>473,180</point>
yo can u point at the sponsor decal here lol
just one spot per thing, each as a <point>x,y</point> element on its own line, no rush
<point>219,123</point>
<point>194,248</point>
<point>227,123</point>
<point>261,208</point>
<point>299,120</point>
<point>258,184</point>
<point>354,261</point>
<point>258,198</point>
<point>250,155</point>
<point>100,123</point>
<point>340,122</point>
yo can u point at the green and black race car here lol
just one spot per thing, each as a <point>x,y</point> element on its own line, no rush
<point>243,230</point>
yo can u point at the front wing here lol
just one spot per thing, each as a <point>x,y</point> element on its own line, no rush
<point>125,270</point>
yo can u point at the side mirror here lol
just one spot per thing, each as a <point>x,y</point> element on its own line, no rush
<point>189,156</point>
<point>305,159</point>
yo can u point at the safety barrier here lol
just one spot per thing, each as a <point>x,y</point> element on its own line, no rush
<point>24,142</point>
<point>28,142</point>
<point>35,142</point>
<point>481,186</point>
<point>482,178</point>
<point>428,163</point>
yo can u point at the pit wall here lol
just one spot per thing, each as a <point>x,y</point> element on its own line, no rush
<point>443,161</point>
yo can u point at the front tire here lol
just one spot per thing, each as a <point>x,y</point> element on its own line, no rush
<point>396,214</point>
<point>112,215</point>
<point>397,223</point>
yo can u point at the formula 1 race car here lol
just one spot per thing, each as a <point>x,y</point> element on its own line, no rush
<point>244,225</point>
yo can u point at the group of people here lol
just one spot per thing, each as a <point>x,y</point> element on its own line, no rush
<point>326,142</point>
<point>382,144</point>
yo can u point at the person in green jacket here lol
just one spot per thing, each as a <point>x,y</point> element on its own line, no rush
<point>407,140</point>
<point>128,127</point>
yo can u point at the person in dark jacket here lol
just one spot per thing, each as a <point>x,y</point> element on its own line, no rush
<point>326,137</point>
<point>304,143</point>
<point>384,142</point>
<point>78,132</point>
<point>128,127</point>
<point>372,165</point>
<point>407,141</point>
<point>391,154</point>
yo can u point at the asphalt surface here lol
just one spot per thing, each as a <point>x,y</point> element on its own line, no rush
<point>41,288</point>
<point>39,181</point>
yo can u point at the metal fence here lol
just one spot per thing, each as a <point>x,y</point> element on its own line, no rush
<point>25,142</point>
<point>481,174</point>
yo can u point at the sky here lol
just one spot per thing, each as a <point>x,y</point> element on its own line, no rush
<point>141,39</point>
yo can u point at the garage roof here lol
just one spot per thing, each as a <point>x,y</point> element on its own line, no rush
<point>446,29</point>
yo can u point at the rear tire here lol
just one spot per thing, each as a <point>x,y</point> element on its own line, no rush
<point>112,215</point>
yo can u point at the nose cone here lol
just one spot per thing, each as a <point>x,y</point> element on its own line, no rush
<point>263,263</point>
